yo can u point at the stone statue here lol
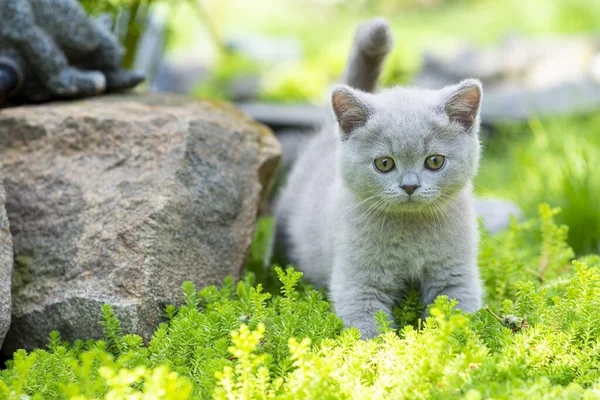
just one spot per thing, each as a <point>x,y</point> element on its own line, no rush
<point>53,49</point>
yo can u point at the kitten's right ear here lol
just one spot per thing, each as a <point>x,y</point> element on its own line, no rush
<point>462,105</point>
<point>350,111</point>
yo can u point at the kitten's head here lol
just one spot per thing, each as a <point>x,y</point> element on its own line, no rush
<point>408,149</point>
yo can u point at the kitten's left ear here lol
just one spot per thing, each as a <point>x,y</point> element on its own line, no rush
<point>350,111</point>
<point>462,103</point>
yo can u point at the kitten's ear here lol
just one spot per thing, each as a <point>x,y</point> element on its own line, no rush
<point>350,111</point>
<point>462,103</point>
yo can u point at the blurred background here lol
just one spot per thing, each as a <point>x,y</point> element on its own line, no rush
<point>276,59</point>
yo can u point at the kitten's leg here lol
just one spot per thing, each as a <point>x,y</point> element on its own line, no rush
<point>460,282</point>
<point>356,303</point>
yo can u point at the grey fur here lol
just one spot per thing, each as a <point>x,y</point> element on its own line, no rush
<point>61,51</point>
<point>372,42</point>
<point>353,230</point>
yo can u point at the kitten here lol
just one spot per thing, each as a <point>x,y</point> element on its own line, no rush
<point>385,204</point>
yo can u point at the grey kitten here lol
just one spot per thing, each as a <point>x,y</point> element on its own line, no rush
<point>385,204</point>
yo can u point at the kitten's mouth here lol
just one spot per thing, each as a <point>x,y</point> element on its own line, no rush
<point>401,205</point>
<point>409,204</point>
<point>413,204</point>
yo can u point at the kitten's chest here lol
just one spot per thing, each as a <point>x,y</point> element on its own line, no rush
<point>402,249</point>
<point>408,250</point>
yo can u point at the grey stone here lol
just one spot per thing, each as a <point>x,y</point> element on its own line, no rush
<point>118,200</point>
<point>6,264</point>
<point>545,75</point>
<point>244,88</point>
<point>537,62</point>
<point>181,73</point>
<point>520,104</point>
<point>178,76</point>
<point>270,50</point>
<point>279,116</point>
<point>497,213</point>
<point>151,47</point>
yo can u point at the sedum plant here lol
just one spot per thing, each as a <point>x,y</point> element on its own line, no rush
<point>539,338</point>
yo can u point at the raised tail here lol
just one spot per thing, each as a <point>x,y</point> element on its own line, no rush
<point>372,42</point>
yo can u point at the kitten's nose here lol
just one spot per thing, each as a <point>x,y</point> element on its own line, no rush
<point>410,182</point>
<point>410,189</point>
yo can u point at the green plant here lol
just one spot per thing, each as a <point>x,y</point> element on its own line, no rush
<point>230,65</point>
<point>133,16</point>
<point>325,30</point>
<point>135,12</point>
<point>553,160</point>
<point>238,342</point>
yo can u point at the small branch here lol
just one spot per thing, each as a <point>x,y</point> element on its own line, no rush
<point>203,15</point>
<point>493,314</point>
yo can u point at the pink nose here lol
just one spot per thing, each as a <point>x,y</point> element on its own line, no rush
<point>410,189</point>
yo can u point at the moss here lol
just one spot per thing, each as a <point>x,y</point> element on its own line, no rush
<point>22,274</point>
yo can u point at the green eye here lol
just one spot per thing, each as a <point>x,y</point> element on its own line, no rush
<point>384,164</point>
<point>435,162</point>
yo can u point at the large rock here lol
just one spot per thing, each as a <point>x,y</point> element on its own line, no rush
<point>6,264</point>
<point>118,200</point>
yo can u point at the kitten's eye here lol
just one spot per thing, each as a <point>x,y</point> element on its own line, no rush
<point>384,164</point>
<point>435,162</point>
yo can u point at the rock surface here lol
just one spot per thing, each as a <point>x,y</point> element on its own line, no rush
<point>118,200</point>
<point>496,213</point>
<point>545,75</point>
<point>287,116</point>
<point>6,264</point>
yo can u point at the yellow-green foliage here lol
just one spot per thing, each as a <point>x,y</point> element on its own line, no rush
<point>554,160</point>
<point>238,342</point>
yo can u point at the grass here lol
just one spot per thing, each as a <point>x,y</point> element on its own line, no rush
<point>551,160</point>
<point>538,340</point>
